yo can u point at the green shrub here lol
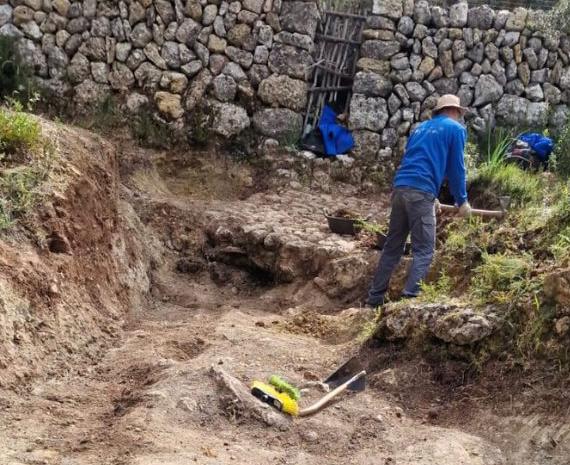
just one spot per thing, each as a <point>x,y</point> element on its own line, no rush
<point>25,163</point>
<point>438,290</point>
<point>200,122</point>
<point>503,278</point>
<point>560,162</point>
<point>494,145</point>
<point>16,78</point>
<point>509,180</point>
<point>150,131</point>
<point>18,131</point>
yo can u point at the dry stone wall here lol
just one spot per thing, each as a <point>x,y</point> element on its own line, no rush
<point>499,63</point>
<point>248,59</point>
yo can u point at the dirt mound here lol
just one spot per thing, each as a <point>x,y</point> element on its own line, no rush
<point>72,267</point>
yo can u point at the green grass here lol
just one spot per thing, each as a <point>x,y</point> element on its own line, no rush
<point>150,132</point>
<point>509,180</point>
<point>503,278</point>
<point>26,160</point>
<point>438,290</point>
<point>371,227</point>
<point>18,131</point>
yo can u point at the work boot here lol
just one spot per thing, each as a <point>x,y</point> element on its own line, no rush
<point>375,304</point>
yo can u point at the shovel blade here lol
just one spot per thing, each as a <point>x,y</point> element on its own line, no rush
<point>346,371</point>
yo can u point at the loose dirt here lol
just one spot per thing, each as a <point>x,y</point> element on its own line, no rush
<point>147,395</point>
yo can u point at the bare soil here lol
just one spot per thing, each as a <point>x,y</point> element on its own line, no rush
<point>143,317</point>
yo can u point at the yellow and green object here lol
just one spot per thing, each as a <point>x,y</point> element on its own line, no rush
<point>283,386</point>
<point>270,395</point>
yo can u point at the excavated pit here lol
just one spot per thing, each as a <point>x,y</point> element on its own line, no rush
<point>160,288</point>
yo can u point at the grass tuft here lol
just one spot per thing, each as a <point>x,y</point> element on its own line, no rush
<point>26,160</point>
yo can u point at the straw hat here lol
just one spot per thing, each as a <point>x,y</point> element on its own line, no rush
<point>449,100</point>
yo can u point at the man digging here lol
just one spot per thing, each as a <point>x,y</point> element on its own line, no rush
<point>434,151</point>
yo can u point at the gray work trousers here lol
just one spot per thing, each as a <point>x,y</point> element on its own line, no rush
<point>413,212</point>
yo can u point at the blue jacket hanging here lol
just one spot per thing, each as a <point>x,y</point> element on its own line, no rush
<point>541,145</point>
<point>337,139</point>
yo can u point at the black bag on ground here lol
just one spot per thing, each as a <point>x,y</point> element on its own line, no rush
<point>313,141</point>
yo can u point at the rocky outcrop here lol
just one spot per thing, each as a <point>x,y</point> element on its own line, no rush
<point>452,323</point>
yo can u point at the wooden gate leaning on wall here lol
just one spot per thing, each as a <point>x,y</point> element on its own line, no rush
<point>337,46</point>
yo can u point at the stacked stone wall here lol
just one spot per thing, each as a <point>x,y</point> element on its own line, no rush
<point>502,65</point>
<point>249,59</point>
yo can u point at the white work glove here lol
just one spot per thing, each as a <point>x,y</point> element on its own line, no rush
<point>464,210</point>
<point>437,206</point>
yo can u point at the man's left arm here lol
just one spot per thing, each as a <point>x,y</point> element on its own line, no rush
<point>455,169</point>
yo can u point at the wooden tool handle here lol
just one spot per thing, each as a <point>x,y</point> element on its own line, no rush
<point>475,212</point>
<point>317,406</point>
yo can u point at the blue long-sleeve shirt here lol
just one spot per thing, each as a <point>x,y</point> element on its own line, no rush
<point>435,151</point>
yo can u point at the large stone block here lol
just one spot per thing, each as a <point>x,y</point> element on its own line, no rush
<point>88,94</point>
<point>370,64</point>
<point>511,109</point>
<point>165,10</point>
<point>371,84</point>
<point>380,22</point>
<point>389,8</point>
<point>369,113</point>
<point>239,35</point>
<point>224,88</point>
<point>294,38</point>
<point>481,17</point>
<point>253,5</point>
<point>517,20</point>
<point>458,14</point>
<point>169,104</point>
<point>487,90</point>
<point>284,91</point>
<point>301,17</point>
<point>141,35</point>
<point>229,119</point>
<point>439,17</point>
<point>366,145</point>
<point>416,92</point>
<point>422,12</point>
<point>446,85</point>
<point>187,32</point>
<point>286,59</point>
<point>5,14</point>
<point>406,26</point>
<point>241,57</point>
<point>278,123</point>
<point>379,49</point>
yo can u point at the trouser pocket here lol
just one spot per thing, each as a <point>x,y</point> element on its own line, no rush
<point>428,223</point>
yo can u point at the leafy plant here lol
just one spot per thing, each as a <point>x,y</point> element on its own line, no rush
<point>18,131</point>
<point>150,131</point>
<point>559,161</point>
<point>497,142</point>
<point>438,290</point>
<point>502,278</point>
<point>200,122</point>
<point>370,226</point>
<point>25,163</point>
<point>509,180</point>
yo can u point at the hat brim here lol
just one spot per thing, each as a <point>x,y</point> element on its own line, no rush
<point>458,107</point>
